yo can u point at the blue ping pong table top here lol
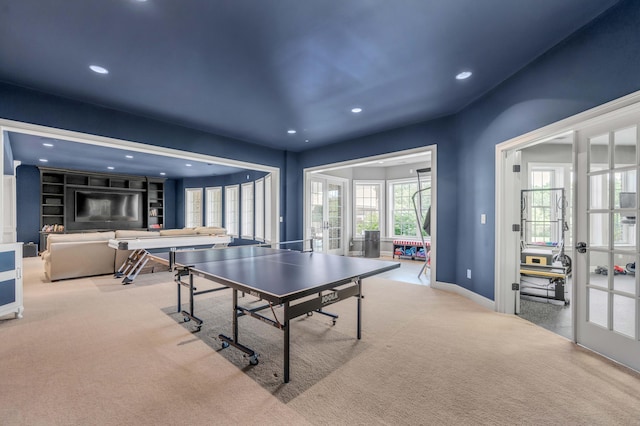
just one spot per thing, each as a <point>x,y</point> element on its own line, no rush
<point>275,273</point>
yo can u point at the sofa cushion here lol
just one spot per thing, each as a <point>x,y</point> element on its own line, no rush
<point>174,232</point>
<point>81,236</point>
<point>210,230</point>
<point>136,234</point>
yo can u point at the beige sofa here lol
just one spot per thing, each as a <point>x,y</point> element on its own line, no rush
<point>87,254</point>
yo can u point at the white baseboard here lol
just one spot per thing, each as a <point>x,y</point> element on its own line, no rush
<point>474,297</point>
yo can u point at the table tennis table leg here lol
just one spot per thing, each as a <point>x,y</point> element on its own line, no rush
<point>359,306</point>
<point>179,307</point>
<point>285,328</point>
<point>226,341</point>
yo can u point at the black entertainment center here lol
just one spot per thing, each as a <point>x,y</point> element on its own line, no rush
<point>74,201</point>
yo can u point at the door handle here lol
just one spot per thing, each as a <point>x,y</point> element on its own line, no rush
<point>581,247</point>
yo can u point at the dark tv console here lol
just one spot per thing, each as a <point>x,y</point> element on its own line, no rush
<point>76,201</point>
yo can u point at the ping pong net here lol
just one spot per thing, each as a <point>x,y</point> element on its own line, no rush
<point>220,254</point>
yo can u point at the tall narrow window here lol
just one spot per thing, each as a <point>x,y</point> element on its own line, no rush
<point>259,196</point>
<point>247,210</point>
<point>214,206</point>
<point>231,204</point>
<point>193,207</point>
<point>402,216</point>
<point>368,200</point>
<point>267,209</point>
<point>541,207</point>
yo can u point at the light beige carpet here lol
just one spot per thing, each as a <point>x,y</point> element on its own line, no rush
<point>91,351</point>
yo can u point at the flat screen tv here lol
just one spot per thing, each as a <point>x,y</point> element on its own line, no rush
<point>96,206</point>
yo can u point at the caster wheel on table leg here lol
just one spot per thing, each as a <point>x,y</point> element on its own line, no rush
<point>225,345</point>
<point>254,360</point>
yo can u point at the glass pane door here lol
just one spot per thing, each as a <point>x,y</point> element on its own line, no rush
<point>607,286</point>
<point>317,214</point>
<point>334,218</point>
<point>326,207</point>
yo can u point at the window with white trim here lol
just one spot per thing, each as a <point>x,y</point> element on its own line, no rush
<point>193,207</point>
<point>214,206</point>
<point>402,215</point>
<point>259,199</point>
<point>247,210</point>
<point>267,208</point>
<point>544,208</point>
<point>231,209</point>
<point>368,199</point>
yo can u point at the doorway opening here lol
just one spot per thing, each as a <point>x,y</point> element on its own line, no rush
<point>364,207</point>
<point>546,206</point>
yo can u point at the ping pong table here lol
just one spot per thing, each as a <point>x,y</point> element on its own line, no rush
<point>140,247</point>
<point>301,282</point>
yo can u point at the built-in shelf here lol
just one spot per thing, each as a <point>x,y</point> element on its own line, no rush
<point>58,187</point>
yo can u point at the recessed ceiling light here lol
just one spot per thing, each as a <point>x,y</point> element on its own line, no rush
<point>291,132</point>
<point>356,110</point>
<point>47,144</point>
<point>43,160</point>
<point>128,156</point>
<point>98,69</point>
<point>188,165</point>
<point>306,140</point>
<point>110,167</point>
<point>464,75</point>
<point>162,173</point>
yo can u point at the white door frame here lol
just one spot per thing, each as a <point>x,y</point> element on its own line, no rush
<point>86,138</point>
<point>599,337</point>
<point>346,213</point>
<point>433,149</point>
<point>506,263</point>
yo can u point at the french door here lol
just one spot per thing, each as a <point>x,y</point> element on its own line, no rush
<point>325,220</point>
<point>607,289</point>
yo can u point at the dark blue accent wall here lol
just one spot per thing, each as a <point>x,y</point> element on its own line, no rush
<point>170,204</point>
<point>598,64</point>
<point>28,204</point>
<point>292,198</point>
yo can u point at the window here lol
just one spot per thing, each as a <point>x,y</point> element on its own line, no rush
<point>231,212</point>
<point>214,206</point>
<point>267,209</point>
<point>259,198</point>
<point>247,210</point>
<point>193,207</point>
<point>544,208</point>
<point>402,215</point>
<point>368,199</point>
<point>540,210</point>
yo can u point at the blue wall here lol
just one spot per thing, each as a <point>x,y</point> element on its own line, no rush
<point>30,106</point>
<point>170,204</point>
<point>597,64</point>
<point>28,204</point>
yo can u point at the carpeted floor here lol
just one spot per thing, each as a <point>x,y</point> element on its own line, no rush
<point>91,351</point>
